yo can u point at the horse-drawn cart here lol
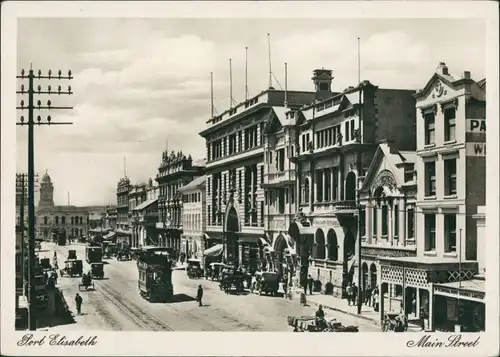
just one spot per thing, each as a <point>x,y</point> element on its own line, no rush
<point>310,324</point>
<point>86,282</point>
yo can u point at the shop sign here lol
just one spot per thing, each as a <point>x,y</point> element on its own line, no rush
<point>476,125</point>
<point>475,149</point>
<point>326,222</point>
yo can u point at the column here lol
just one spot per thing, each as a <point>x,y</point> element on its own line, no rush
<point>323,174</point>
<point>368,222</point>
<point>340,190</point>
<point>431,308</point>
<point>402,222</point>
<point>315,185</point>
<point>311,189</point>
<point>390,222</point>
<point>332,187</point>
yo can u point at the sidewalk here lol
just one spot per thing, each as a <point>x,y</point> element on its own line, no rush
<point>336,304</point>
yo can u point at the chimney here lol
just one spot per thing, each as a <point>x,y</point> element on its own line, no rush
<point>466,75</point>
<point>442,69</point>
<point>322,79</point>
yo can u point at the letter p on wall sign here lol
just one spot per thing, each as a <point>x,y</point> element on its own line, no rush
<point>476,126</point>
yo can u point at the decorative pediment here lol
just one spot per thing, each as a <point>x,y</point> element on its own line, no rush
<point>386,179</point>
<point>344,103</point>
<point>382,172</point>
<point>272,124</point>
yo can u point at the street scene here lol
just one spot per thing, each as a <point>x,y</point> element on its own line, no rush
<point>188,180</point>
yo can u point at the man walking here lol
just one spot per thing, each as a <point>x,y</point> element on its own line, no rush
<point>348,291</point>
<point>78,301</point>
<point>310,282</point>
<point>199,295</point>
<point>368,296</point>
<point>354,293</point>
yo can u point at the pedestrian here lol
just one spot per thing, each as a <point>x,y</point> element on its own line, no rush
<point>375,294</point>
<point>354,293</point>
<point>310,282</point>
<point>78,301</point>
<point>368,296</point>
<point>423,316</point>
<point>199,295</point>
<point>304,285</point>
<point>348,291</point>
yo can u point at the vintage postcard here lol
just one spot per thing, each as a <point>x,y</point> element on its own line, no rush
<point>177,170</point>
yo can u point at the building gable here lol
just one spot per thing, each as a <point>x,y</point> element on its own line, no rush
<point>438,88</point>
<point>381,163</point>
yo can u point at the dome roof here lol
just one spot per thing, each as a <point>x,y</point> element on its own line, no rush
<point>46,177</point>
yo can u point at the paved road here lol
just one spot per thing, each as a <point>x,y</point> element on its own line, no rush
<point>116,304</point>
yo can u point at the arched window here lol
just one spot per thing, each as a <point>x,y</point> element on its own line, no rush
<point>320,244</point>
<point>305,191</point>
<point>333,249</point>
<point>350,186</point>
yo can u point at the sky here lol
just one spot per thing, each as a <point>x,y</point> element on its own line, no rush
<point>141,85</point>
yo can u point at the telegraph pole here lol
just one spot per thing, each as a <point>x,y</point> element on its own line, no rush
<point>31,163</point>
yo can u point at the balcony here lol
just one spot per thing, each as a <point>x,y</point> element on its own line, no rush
<point>342,207</point>
<point>279,178</point>
<point>278,221</point>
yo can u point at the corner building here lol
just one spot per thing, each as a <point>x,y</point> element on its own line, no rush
<point>336,139</point>
<point>451,184</point>
<point>235,173</point>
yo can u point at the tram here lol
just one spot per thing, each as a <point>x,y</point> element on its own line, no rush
<point>155,274</point>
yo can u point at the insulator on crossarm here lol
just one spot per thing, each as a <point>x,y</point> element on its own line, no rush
<point>22,119</point>
<point>39,103</point>
<point>50,73</point>
<point>49,119</point>
<point>49,88</point>
<point>22,73</point>
<point>69,73</point>
<point>39,88</point>
<point>22,88</point>
<point>59,89</point>
<point>59,74</point>
<point>39,73</point>
<point>22,103</point>
<point>69,90</point>
<point>49,104</point>
<point>39,119</point>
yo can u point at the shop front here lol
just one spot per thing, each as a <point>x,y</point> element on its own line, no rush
<point>460,305</point>
<point>407,285</point>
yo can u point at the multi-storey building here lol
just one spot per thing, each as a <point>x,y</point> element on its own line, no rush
<point>235,172</point>
<point>137,194</point>
<point>73,219</point>
<point>145,216</point>
<point>336,139</point>
<point>176,170</point>
<point>110,218</point>
<point>193,218</point>
<point>451,184</point>
<point>123,224</point>
<point>388,196</point>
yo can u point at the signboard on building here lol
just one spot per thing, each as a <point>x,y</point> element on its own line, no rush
<point>475,149</point>
<point>326,222</point>
<point>476,126</point>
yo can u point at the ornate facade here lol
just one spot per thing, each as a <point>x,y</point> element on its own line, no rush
<point>335,141</point>
<point>123,222</point>
<point>175,171</point>
<point>451,185</point>
<point>235,172</point>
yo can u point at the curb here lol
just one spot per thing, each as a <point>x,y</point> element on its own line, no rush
<point>314,303</point>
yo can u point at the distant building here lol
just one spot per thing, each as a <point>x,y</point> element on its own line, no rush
<point>193,214</point>
<point>123,222</point>
<point>73,219</point>
<point>144,214</point>
<point>176,170</point>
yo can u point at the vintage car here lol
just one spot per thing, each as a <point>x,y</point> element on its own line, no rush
<point>97,270</point>
<point>193,269</point>
<point>71,254</point>
<point>266,283</point>
<point>72,267</point>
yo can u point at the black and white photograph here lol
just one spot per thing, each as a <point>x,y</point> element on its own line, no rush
<point>244,169</point>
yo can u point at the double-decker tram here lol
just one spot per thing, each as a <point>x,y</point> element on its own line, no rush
<point>155,274</point>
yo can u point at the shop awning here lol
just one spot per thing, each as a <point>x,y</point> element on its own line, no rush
<point>145,204</point>
<point>109,235</point>
<point>215,251</point>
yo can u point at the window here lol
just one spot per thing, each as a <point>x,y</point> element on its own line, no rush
<point>63,220</point>
<point>430,129</point>
<point>449,124</point>
<point>450,172</point>
<point>319,186</point>
<point>385,218</point>
<point>375,217</point>
<point>347,137</point>
<point>450,233</point>
<point>45,218</point>
<point>430,232</point>
<point>353,122</point>
<point>430,179</point>
<point>305,191</point>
